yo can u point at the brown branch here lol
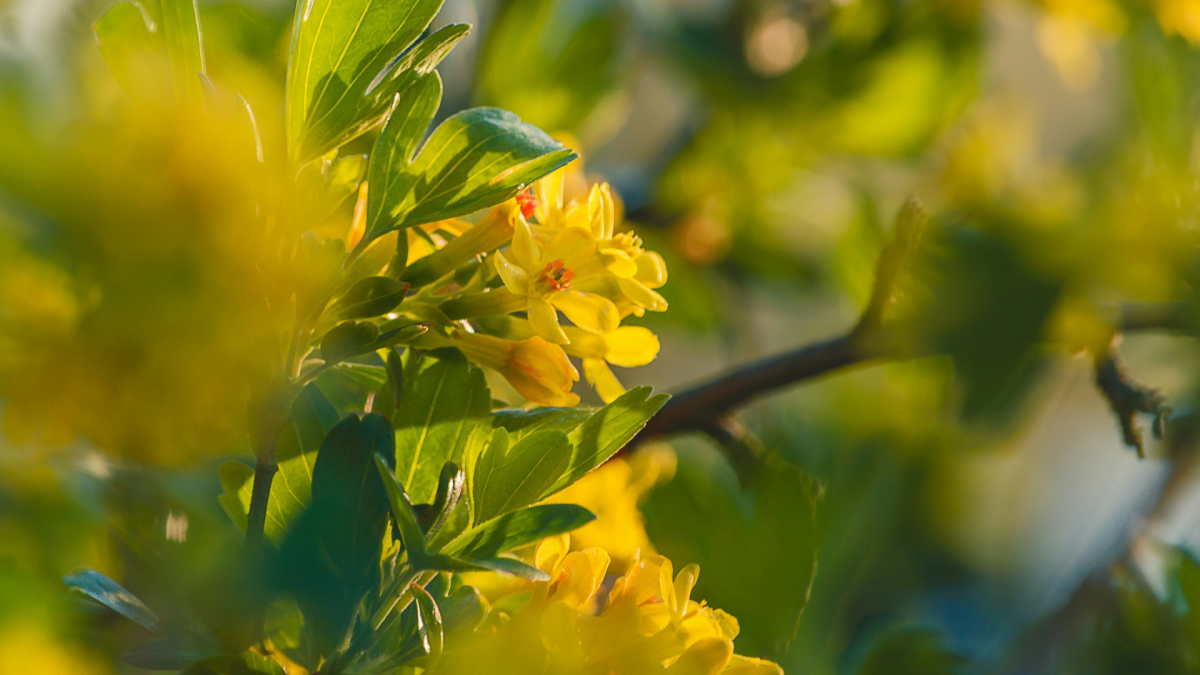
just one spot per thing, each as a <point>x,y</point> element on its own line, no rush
<point>1128,398</point>
<point>703,408</point>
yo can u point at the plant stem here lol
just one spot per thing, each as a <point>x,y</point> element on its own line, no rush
<point>264,473</point>
<point>268,415</point>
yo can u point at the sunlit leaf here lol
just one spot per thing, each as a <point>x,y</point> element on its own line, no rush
<point>508,477</point>
<point>517,529</point>
<point>339,49</point>
<point>131,48</point>
<point>185,47</point>
<point>313,416</point>
<point>475,159</point>
<point>443,399</point>
<point>606,432</point>
<point>370,297</point>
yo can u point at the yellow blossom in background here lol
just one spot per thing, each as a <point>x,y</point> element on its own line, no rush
<point>647,624</point>
<point>27,647</point>
<point>612,493</point>
<point>1181,17</point>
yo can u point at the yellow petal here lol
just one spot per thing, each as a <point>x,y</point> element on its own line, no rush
<point>593,313</point>
<point>684,583</point>
<point>745,665</point>
<point>652,269</point>
<point>541,372</point>
<point>560,637</point>
<point>608,213</point>
<point>706,657</point>
<point>544,320</point>
<point>618,262</point>
<point>515,278</point>
<point>579,576</point>
<point>550,552</point>
<point>577,216</point>
<point>525,250</point>
<point>642,581</point>
<point>598,374</point>
<point>728,622</point>
<point>549,194</point>
<point>642,296</point>
<point>631,346</point>
<point>574,246</point>
<point>586,345</point>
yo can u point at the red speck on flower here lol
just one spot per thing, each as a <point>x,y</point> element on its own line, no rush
<point>527,202</point>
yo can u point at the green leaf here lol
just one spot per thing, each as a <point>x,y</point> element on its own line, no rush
<point>313,416</point>
<point>112,595</point>
<point>606,432</point>
<point>507,478</point>
<point>462,607</point>
<point>517,529</point>
<point>388,399</point>
<point>175,647</point>
<point>185,47</point>
<point>451,486</point>
<point>512,566</point>
<point>363,374</point>
<point>429,627</point>
<point>339,49</point>
<point>237,482</point>
<point>284,626</point>
<point>475,159</point>
<point>550,62</point>
<point>247,663</point>
<point>371,297</point>
<point>756,547</point>
<point>519,422</point>
<point>331,557</point>
<point>443,399</point>
<point>348,339</point>
<point>411,535</point>
<point>131,48</point>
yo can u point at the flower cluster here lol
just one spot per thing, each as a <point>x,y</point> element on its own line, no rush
<point>545,253</point>
<point>647,624</point>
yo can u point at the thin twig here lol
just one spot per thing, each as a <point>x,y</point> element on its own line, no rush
<point>1128,398</point>
<point>702,407</point>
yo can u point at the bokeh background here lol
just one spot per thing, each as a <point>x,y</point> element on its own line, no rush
<point>978,510</point>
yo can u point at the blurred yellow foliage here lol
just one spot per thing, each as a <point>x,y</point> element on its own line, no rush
<point>136,315</point>
<point>612,492</point>
<point>648,622</point>
<point>28,648</point>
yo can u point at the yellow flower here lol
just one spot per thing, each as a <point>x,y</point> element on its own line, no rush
<point>625,347</point>
<point>540,275</point>
<point>490,233</point>
<point>537,369</point>
<point>649,624</point>
<point>631,273</point>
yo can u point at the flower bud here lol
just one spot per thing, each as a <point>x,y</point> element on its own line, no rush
<point>489,234</point>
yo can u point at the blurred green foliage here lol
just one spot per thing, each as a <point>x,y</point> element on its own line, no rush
<point>760,145</point>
